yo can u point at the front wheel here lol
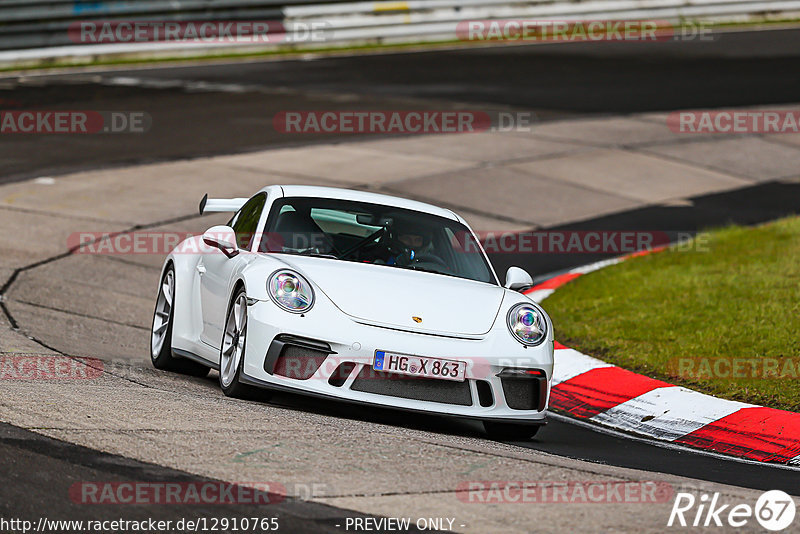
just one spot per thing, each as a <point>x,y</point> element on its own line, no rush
<point>161,332</point>
<point>509,431</point>
<point>234,342</point>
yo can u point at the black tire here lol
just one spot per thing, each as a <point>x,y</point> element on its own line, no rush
<point>163,358</point>
<point>236,389</point>
<point>509,431</point>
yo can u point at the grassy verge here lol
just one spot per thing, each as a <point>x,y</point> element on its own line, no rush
<point>722,318</point>
<point>225,56</point>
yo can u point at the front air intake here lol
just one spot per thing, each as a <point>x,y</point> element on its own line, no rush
<point>295,357</point>
<point>298,362</point>
<point>523,393</point>
<point>406,387</point>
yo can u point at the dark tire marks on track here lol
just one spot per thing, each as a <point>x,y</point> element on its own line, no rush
<point>39,472</point>
<point>745,206</point>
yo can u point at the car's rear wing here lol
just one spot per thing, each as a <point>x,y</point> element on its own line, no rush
<point>209,205</point>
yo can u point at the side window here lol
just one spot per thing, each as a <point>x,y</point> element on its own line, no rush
<point>245,222</point>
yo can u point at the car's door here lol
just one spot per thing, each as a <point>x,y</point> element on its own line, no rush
<point>216,270</point>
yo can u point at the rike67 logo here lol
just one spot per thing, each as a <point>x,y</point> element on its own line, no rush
<point>774,511</point>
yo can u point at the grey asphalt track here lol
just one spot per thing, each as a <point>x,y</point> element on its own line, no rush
<point>40,474</point>
<point>200,110</point>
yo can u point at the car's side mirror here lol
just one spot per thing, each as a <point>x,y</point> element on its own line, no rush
<point>223,238</point>
<point>518,279</point>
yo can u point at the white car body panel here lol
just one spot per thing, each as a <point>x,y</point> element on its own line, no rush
<point>359,308</point>
<point>380,295</point>
<point>217,271</point>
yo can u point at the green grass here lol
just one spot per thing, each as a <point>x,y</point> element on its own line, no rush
<point>736,298</point>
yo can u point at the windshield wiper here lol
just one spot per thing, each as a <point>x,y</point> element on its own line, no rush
<point>319,255</point>
<point>424,270</point>
<point>310,253</point>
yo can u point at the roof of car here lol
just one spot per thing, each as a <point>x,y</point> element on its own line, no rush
<point>362,196</point>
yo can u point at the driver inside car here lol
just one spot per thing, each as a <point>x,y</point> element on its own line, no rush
<point>416,240</point>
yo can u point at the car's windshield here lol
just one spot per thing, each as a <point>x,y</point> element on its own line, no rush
<point>372,233</point>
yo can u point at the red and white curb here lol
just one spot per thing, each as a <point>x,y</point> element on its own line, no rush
<point>590,389</point>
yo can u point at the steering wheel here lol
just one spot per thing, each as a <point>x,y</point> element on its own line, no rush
<point>427,257</point>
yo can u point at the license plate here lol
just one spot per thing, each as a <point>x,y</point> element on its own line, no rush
<point>420,366</point>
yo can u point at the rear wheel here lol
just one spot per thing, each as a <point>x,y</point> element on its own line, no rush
<point>234,342</point>
<point>161,332</point>
<point>509,431</point>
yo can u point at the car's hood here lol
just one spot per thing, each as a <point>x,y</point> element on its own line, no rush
<point>389,296</point>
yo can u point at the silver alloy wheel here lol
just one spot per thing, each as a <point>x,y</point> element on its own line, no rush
<point>233,341</point>
<point>166,294</point>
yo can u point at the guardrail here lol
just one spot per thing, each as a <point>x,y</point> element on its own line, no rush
<point>45,29</point>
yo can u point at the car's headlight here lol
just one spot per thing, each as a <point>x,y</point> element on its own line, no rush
<point>290,291</point>
<point>528,324</point>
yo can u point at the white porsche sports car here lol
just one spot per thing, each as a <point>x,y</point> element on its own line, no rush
<point>360,297</point>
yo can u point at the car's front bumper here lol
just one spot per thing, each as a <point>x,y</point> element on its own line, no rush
<point>332,339</point>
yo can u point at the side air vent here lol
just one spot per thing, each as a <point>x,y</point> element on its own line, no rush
<point>341,374</point>
<point>485,397</point>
